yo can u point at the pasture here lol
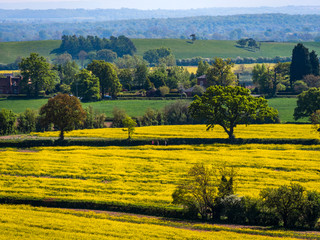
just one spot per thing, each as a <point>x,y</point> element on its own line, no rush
<point>24,222</point>
<point>136,108</point>
<point>180,48</point>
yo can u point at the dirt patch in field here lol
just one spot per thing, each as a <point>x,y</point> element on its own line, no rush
<point>27,150</point>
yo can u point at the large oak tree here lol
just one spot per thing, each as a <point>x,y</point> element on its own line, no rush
<point>64,111</point>
<point>229,106</point>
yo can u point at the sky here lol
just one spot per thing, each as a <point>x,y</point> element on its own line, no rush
<point>149,4</point>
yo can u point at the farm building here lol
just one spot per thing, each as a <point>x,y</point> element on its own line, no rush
<point>202,81</point>
<point>10,85</point>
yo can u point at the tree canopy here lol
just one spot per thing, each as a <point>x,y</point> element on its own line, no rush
<point>308,102</point>
<point>108,78</point>
<point>229,106</point>
<point>64,111</point>
<point>220,73</point>
<point>303,63</point>
<point>86,85</point>
<point>7,122</point>
<point>37,74</point>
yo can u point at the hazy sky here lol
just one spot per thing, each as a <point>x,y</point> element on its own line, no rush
<point>150,4</point>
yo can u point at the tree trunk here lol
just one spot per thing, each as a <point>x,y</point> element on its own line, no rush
<point>61,135</point>
<point>231,135</point>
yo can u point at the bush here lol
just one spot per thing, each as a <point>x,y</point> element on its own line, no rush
<point>150,118</point>
<point>164,90</point>
<point>300,86</point>
<point>118,116</point>
<point>311,209</point>
<point>198,90</point>
<point>233,207</point>
<point>177,113</point>
<point>286,201</point>
<point>7,122</point>
<point>27,121</point>
<point>312,81</point>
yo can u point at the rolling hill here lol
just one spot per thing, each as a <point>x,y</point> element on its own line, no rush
<point>9,51</point>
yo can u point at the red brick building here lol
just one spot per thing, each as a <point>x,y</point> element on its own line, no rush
<point>10,85</point>
<point>202,81</point>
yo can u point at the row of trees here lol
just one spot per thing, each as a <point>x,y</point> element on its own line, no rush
<point>250,43</point>
<point>238,60</point>
<point>277,27</point>
<point>63,112</point>
<point>210,193</point>
<point>74,45</point>
<point>299,75</point>
<point>99,78</point>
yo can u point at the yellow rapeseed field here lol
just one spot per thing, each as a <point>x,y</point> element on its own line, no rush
<point>147,175</point>
<point>25,222</point>
<point>9,71</point>
<point>305,131</point>
<point>245,67</point>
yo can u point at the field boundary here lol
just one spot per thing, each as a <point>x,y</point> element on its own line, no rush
<point>92,205</point>
<point>27,143</point>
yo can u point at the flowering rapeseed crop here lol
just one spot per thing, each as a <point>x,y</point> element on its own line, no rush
<point>197,131</point>
<point>147,175</point>
<point>24,222</point>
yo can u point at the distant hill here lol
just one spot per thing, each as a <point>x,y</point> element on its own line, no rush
<point>9,51</point>
<point>81,14</point>
<point>277,27</point>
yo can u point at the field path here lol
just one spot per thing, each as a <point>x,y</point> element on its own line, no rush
<point>194,225</point>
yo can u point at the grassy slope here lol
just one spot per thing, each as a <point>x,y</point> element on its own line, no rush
<point>9,51</point>
<point>137,108</point>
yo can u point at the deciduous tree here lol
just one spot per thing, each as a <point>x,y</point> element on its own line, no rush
<point>37,74</point>
<point>64,111</point>
<point>308,102</point>
<point>7,122</point>
<point>220,73</point>
<point>229,106</point>
<point>130,125</point>
<point>108,78</point>
<point>86,85</point>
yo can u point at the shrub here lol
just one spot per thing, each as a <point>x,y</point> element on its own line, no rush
<point>177,113</point>
<point>300,86</point>
<point>164,90</point>
<point>118,116</point>
<point>27,121</point>
<point>233,207</point>
<point>312,81</point>
<point>311,209</point>
<point>7,122</point>
<point>197,90</point>
<point>197,192</point>
<point>286,201</point>
<point>151,118</point>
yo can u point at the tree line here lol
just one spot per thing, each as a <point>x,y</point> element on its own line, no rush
<point>74,45</point>
<point>296,76</point>
<point>210,193</point>
<point>263,27</point>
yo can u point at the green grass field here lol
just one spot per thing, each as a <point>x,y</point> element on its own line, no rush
<point>9,51</point>
<point>136,108</point>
